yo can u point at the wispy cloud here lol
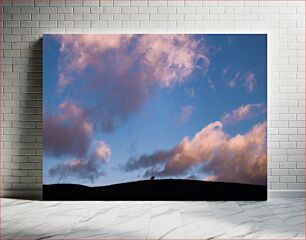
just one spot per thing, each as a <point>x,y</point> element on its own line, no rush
<point>211,84</point>
<point>234,81</point>
<point>190,92</point>
<point>185,114</point>
<point>250,81</point>
<point>243,112</point>
<point>236,78</point>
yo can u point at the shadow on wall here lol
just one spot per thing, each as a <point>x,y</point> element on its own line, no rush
<point>28,158</point>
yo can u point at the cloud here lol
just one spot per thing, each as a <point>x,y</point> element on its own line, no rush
<point>165,59</point>
<point>122,71</point>
<point>88,168</point>
<point>226,70</point>
<point>234,81</point>
<point>80,51</point>
<point>67,133</point>
<point>250,81</point>
<point>211,84</point>
<point>102,152</point>
<point>170,58</point>
<point>211,178</point>
<point>236,78</point>
<point>241,158</point>
<point>243,112</point>
<point>190,92</point>
<point>185,114</point>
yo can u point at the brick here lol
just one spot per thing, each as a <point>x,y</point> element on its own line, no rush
<point>139,3</point>
<point>148,24</point>
<point>277,186</point>
<point>288,179</point>
<point>296,172</point>
<point>81,10</point>
<point>23,3</point>
<point>74,3</point>
<point>91,16</point>
<point>82,24</point>
<point>186,9</point>
<point>26,16</point>
<point>57,17</point>
<point>62,10</point>
<point>98,24</point>
<point>140,17</point>
<point>112,10</point>
<point>129,10</point>
<point>73,17</point>
<point>130,24</point>
<point>30,10</point>
<point>42,3</point>
<point>47,23</point>
<point>296,186</point>
<point>40,17</point>
<point>91,3</point>
<point>147,9</point>
<point>50,10</point>
<point>11,9</point>
<point>166,10</point>
<point>280,172</point>
<point>157,3</point>
<point>29,24</point>
<point>64,24</point>
<point>176,17</point>
<point>161,17</point>
<point>59,3</point>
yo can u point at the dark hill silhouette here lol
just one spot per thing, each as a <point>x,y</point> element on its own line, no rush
<point>162,189</point>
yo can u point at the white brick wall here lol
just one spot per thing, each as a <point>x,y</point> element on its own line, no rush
<point>24,22</point>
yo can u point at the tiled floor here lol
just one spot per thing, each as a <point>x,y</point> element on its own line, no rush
<point>274,219</point>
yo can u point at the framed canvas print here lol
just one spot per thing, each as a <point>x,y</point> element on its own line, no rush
<point>155,117</point>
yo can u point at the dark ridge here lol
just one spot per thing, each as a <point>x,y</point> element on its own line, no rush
<point>162,189</point>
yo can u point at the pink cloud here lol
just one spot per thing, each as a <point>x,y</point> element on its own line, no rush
<point>170,58</point>
<point>241,158</point>
<point>211,178</point>
<point>234,82</point>
<point>250,81</point>
<point>88,167</point>
<point>103,151</point>
<point>166,59</point>
<point>126,69</point>
<point>67,133</point>
<point>243,112</point>
<point>185,114</point>
<point>63,81</point>
<point>247,79</point>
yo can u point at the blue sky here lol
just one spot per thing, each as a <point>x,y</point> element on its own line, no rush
<point>175,102</point>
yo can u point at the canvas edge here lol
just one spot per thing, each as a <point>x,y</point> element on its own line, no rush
<point>38,194</point>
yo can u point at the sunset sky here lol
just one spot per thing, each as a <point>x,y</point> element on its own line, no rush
<point>121,108</point>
